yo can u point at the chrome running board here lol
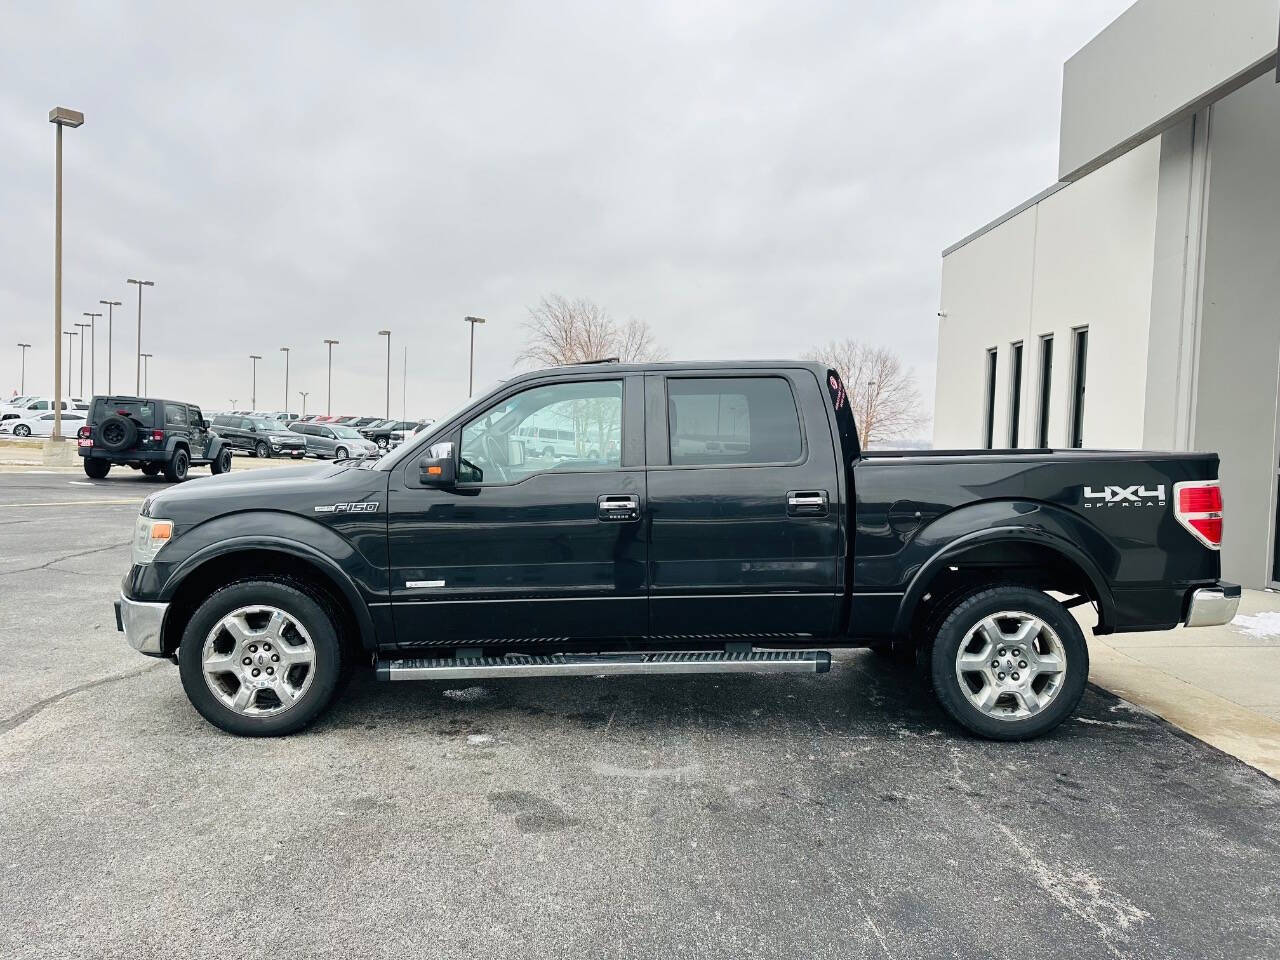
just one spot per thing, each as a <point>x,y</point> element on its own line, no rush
<point>591,665</point>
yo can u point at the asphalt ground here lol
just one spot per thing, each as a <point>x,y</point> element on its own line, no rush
<point>835,815</point>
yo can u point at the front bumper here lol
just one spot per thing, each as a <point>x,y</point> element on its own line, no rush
<point>142,624</point>
<point>1213,606</point>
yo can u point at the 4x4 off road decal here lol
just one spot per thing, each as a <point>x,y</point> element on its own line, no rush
<point>365,506</point>
<point>1115,496</point>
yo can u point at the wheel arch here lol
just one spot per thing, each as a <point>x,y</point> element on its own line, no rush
<point>1026,555</point>
<point>267,558</point>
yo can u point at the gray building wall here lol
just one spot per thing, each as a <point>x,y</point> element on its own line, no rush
<point>1156,64</point>
<point>1238,379</point>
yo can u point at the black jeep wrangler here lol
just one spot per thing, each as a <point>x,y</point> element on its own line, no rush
<point>151,436</point>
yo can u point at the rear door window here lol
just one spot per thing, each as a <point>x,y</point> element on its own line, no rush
<point>175,415</point>
<point>726,421</point>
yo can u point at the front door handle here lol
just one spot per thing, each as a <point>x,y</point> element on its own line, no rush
<point>617,508</point>
<point>807,503</point>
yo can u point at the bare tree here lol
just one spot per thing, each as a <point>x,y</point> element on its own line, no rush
<point>561,331</point>
<point>882,391</point>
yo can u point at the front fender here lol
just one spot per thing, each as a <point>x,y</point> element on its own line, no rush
<point>335,555</point>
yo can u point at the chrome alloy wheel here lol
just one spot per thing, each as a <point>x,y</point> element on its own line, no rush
<point>1011,665</point>
<point>258,660</point>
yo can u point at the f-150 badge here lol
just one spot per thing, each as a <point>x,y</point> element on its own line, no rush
<point>364,506</point>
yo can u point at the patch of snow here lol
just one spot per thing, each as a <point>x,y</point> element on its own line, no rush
<point>467,695</point>
<point>479,739</point>
<point>1262,626</point>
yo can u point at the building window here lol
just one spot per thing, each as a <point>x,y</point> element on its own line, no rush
<point>1046,381</point>
<point>989,417</point>
<point>1080,362</point>
<point>1015,393</point>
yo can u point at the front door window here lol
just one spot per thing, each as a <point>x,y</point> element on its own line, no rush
<point>559,427</point>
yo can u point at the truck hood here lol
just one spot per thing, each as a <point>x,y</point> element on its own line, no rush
<point>292,489</point>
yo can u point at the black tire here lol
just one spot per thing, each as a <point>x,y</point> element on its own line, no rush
<point>340,453</point>
<point>96,469</point>
<point>965,613</point>
<point>222,462</point>
<point>548,453</point>
<point>298,604</point>
<point>22,430</point>
<point>262,450</point>
<point>117,433</point>
<point>383,442</point>
<point>151,469</point>
<point>175,470</point>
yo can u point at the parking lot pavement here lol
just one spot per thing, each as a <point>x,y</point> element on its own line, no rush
<point>708,816</point>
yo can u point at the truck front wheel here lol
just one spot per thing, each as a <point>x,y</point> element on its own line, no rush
<point>260,658</point>
<point>1008,662</point>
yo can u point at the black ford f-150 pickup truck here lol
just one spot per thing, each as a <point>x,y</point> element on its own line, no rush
<point>688,518</point>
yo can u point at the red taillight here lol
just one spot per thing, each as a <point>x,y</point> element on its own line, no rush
<point>157,435</point>
<point>1200,499</point>
<point>1199,509</point>
<point>84,432</point>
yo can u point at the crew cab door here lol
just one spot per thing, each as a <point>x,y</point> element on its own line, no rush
<point>746,541</point>
<point>522,546</point>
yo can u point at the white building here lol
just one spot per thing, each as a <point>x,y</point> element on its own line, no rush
<point>1136,302</point>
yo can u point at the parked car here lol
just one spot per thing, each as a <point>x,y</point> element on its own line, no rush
<point>458,557</point>
<point>259,436</point>
<point>32,406</point>
<point>41,424</point>
<point>150,435</point>
<point>333,440</point>
<point>389,433</point>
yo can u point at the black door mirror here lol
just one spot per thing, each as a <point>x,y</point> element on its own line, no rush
<point>204,424</point>
<point>437,471</point>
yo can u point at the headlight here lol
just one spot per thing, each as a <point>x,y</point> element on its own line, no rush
<point>149,535</point>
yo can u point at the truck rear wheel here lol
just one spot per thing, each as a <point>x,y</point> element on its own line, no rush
<point>96,469</point>
<point>1008,662</point>
<point>260,658</point>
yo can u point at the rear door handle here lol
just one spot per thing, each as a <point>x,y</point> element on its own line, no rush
<point>807,503</point>
<point>617,508</point>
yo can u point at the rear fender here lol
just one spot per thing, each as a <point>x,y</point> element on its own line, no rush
<point>945,542</point>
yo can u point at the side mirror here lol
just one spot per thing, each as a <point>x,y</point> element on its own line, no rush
<point>437,471</point>
<point>204,424</point>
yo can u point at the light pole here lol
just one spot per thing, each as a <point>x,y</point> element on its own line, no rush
<point>59,117</point>
<point>471,369</point>
<point>328,403</point>
<point>145,370</point>
<point>253,390</point>
<point>22,380</point>
<point>303,394</point>
<point>387,334</point>
<point>285,351</point>
<point>93,354</point>
<point>110,305</point>
<point>82,327</point>
<point>140,284</point>
<point>58,400</point>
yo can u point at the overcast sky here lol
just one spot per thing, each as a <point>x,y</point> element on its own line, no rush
<point>751,178</point>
